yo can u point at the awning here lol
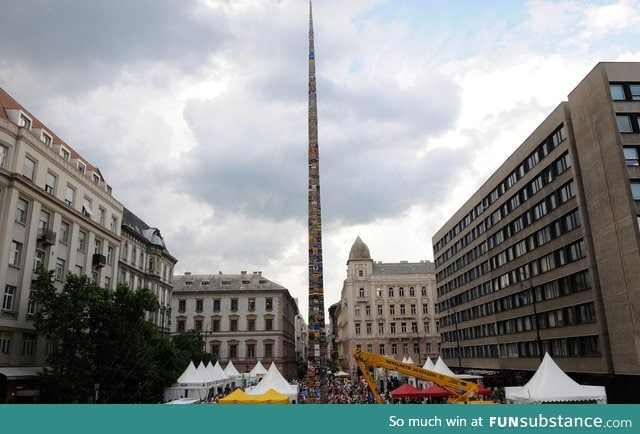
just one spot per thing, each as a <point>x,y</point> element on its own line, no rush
<point>20,372</point>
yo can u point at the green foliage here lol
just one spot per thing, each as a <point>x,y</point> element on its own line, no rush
<point>101,337</point>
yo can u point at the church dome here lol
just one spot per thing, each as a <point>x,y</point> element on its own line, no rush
<point>359,251</point>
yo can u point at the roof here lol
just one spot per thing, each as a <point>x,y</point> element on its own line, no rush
<point>7,102</point>
<point>224,282</point>
<point>359,251</point>
<point>136,225</point>
<point>404,267</point>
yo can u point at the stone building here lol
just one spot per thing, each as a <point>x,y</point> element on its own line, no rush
<point>385,308</point>
<point>243,318</point>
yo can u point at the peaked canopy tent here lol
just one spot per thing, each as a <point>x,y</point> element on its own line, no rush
<point>258,371</point>
<point>273,379</point>
<point>190,385</point>
<point>551,384</point>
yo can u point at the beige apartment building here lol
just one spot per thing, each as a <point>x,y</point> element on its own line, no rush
<point>384,308</point>
<point>544,256</point>
<point>242,317</point>
<point>56,211</point>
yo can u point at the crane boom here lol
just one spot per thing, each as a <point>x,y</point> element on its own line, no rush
<point>462,390</point>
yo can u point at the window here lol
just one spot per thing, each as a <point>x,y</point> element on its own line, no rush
<point>60,269</point>
<point>182,305</point>
<point>413,309</point>
<point>97,246</point>
<point>199,305</point>
<point>114,224</point>
<point>24,121</point>
<point>233,325</point>
<point>625,123</point>
<point>86,207</point>
<point>367,310</point>
<point>268,350</point>
<point>4,151</point>
<point>234,304</point>
<point>412,292</point>
<point>390,292</point>
<point>107,282</point>
<point>635,189</point>
<point>39,260</point>
<point>631,156</point>
<point>82,238</point>
<point>50,186</point>
<point>392,327</point>
<point>28,343</point>
<point>403,327</point>
<point>216,305</point>
<point>361,292</point>
<point>102,215</point>
<point>617,91</point>
<point>66,155</point>
<point>251,324</point>
<point>356,311</point>
<point>252,304</point>
<point>46,139</point>
<point>360,273</point>
<point>5,344</point>
<point>64,232</point>
<point>28,168</point>
<point>9,295</point>
<point>181,326</point>
<point>394,348</point>
<point>380,310</point>
<point>68,195</point>
<point>425,309</point>
<point>381,349</point>
<point>32,307</point>
<point>381,328</point>
<point>357,328</point>
<point>369,328</point>
<point>233,351</point>
<point>215,325</point>
<point>392,309</point>
<point>109,254</point>
<point>43,223</point>
<point>401,292</point>
<point>251,350</point>
<point>82,167</point>
<point>21,210</point>
<point>402,310</point>
<point>269,304</point>
<point>268,324</point>
<point>15,255</point>
<point>96,179</point>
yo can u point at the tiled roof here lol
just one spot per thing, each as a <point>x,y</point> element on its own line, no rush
<point>224,282</point>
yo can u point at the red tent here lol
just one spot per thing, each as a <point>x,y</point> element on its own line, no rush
<point>408,391</point>
<point>436,391</point>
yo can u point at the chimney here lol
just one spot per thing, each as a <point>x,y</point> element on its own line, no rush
<point>243,272</point>
<point>187,273</point>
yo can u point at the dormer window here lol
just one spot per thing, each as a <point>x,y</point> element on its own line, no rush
<point>46,139</point>
<point>82,167</point>
<point>24,121</point>
<point>66,155</point>
<point>206,282</point>
<point>96,179</point>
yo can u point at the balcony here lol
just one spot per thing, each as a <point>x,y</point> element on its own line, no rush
<point>46,237</point>
<point>99,260</point>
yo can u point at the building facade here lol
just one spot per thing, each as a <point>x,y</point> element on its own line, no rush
<point>56,211</point>
<point>544,256</point>
<point>385,308</point>
<point>242,317</point>
<point>145,262</point>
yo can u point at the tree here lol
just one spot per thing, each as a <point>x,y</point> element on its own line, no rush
<point>100,338</point>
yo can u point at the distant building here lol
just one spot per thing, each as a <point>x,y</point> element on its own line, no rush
<point>243,318</point>
<point>145,262</point>
<point>385,308</point>
<point>544,257</point>
<point>56,211</point>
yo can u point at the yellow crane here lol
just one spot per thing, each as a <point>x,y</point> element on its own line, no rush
<point>462,391</point>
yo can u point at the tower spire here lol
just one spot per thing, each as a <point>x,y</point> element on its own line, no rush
<point>317,350</point>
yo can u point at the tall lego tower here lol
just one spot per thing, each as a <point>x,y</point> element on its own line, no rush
<point>317,350</point>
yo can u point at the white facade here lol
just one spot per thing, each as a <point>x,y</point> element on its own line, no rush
<point>386,308</point>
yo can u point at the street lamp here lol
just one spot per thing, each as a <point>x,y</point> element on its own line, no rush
<point>535,311</point>
<point>455,321</point>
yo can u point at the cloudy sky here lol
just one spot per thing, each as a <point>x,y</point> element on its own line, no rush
<point>195,111</point>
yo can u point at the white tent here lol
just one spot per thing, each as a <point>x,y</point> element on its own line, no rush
<point>192,383</point>
<point>273,379</point>
<point>218,375</point>
<point>410,360</point>
<point>231,370</point>
<point>204,374</point>
<point>258,370</point>
<point>428,365</point>
<point>551,384</point>
<point>442,368</point>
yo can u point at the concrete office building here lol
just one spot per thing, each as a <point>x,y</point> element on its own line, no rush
<point>384,308</point>
<point>544,256</point>
<point>243,318</point>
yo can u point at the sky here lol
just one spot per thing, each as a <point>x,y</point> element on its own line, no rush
<point>195,111</point>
